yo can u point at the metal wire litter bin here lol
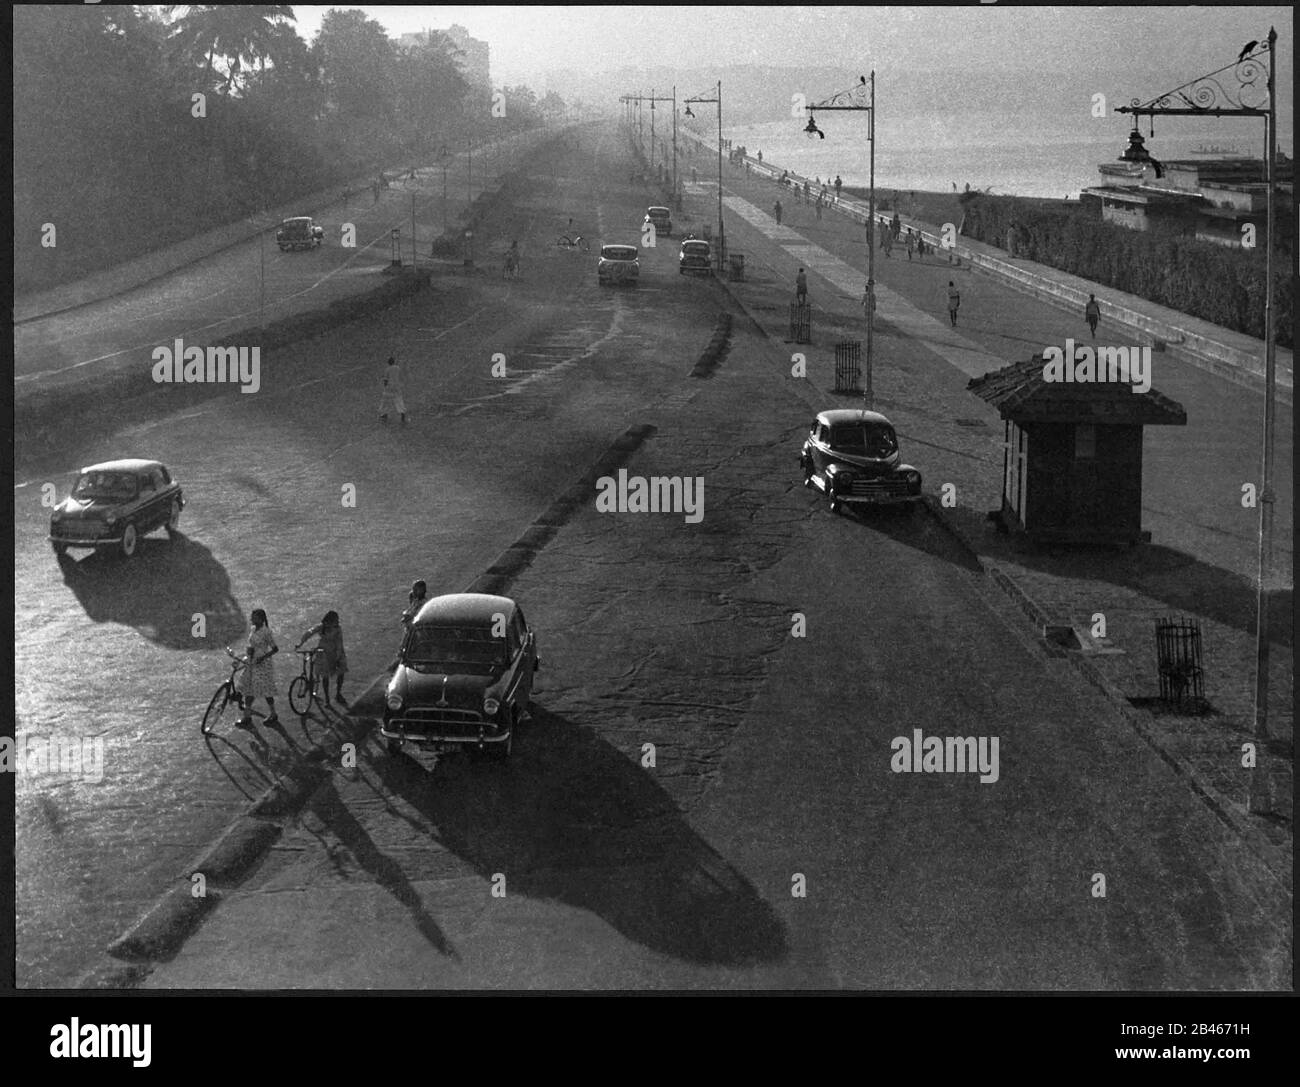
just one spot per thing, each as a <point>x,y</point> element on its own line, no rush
<point>848,368</point>
<point>1178,656</point>
<point>800,323</point>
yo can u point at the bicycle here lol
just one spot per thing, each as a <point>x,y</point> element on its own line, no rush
<point>227,693</point>
<point>576,242</point>
<point>302,691</point>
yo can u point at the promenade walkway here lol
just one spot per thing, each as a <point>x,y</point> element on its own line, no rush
<point>1203,558</point>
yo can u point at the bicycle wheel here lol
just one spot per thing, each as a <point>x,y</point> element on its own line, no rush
<point>217,708</point>
<point>300,696</point>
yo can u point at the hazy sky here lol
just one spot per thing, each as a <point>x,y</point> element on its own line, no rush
<point>1161,46</point>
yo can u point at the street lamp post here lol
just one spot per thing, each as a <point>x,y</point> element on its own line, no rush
<point>852,100</point>
<point>722,238</point>
<point>1201,96</point>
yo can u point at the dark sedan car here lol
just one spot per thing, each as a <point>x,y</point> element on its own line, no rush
<point>115,503</point>
<point>852,456</point>
<point>464,676</point>
<point>662,219</point>
<point>695,257</point>
<point>300,232</point>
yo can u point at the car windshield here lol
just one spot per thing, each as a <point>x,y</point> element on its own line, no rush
<point>696,249</point>
<point>453,649</point>
<point>296,226</point>
<point>658,213</point>
<point>619,252</point>
<point>108,486</point>
<point>869,439</point>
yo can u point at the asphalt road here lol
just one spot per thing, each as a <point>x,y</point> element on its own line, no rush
<point>773,753</point>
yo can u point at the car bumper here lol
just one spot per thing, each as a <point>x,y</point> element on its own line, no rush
<point>878,499</point>
<point>429,734</point>
<point>85,541</point>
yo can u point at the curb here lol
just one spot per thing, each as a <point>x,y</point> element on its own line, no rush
<point>717,348</point>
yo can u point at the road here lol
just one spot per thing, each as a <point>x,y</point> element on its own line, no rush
<point>773,752</point>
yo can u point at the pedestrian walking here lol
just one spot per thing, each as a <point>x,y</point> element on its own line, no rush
<point>806,192</point>
<point>801,288</point>
<point>776,210</point>
<point>415,600</point>
<point>911,243</point>
<point>896,226</point>
<point>819,207</point>
<point>391,392</point>
<point>333,659</point>
<point>838,185</point>
<point>1092,311</point>
<point>888,239</point>
<point>954,300</point>
<point>258,678</point>
<point>869,303</point>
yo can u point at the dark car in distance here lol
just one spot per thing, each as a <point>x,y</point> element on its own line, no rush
<point>300,232</point>
<point>696,257</point>
<point>852,457</point>
<point>464,676</point>
<point>115,503</point>
<point>662,219</point>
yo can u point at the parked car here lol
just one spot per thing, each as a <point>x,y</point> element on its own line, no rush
<point>852,457</point>
<point>115,503</point>
<point>618,264</point>
<point>696,256</point>
<point>299,233</point>
<point>464,676</point>
<point>662,219</point>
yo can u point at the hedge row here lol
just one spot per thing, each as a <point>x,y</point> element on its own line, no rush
<point>1211,282</point>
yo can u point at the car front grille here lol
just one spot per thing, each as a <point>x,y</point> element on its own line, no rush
<point>79,530</point>
<point>879,488</point>
<point>446,722</point>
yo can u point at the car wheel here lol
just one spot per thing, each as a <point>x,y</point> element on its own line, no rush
<point>130,541</point>
<point>173,520</point>
<point>807,474</point>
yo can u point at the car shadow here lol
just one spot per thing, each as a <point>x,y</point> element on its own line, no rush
<point>159,592</point>
<point>571,819</point>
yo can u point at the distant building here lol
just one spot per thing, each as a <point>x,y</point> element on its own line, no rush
<point>1212,198</point>
<point>474,59</point>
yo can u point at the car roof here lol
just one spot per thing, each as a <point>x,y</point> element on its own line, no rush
<point>694,241</point>
<point>838,416</point>
<point>299,219</point>
<point>619,245</point>
<point>656,207</point>
<point>129,465</point>
<point>465,609</point>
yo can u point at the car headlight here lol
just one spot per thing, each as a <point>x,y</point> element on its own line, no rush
<point>56,517</point>
<point>490,706</point>
<point>844,477</point>
<point>394,701</point>
<point>110,520</point>
<point>914,478</point>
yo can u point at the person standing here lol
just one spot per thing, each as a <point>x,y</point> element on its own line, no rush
<point>896,226</point>
<point>954,300</point>
<point>1092,311</point>
<point>819,206</point>
<point>801,288</point>
<point>911,243</point>
<point>334,661</point>
<point>838,185</point>
<point>776,210</point>
<point>415,600</point>
<point>869,303</point>
<point>258,678</point>
<point>391,391</point>
<point>889,240</point>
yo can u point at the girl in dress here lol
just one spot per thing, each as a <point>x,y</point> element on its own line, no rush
<point>258,679</point>
<point>333,659</point>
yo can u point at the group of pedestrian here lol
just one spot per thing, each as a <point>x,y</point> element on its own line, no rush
<point>258,677</point>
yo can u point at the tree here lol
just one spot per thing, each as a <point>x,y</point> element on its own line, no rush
<point>237,34</point>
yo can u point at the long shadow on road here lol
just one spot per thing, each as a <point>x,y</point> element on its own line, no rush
<point>571,819</point>
<point>158,592</point>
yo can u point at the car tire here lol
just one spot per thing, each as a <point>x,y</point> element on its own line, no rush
<point>130,541</point>
<point>173,520</point>
<point>807,474</point>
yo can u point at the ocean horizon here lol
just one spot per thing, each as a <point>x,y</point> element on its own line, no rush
<point>935,157</point>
